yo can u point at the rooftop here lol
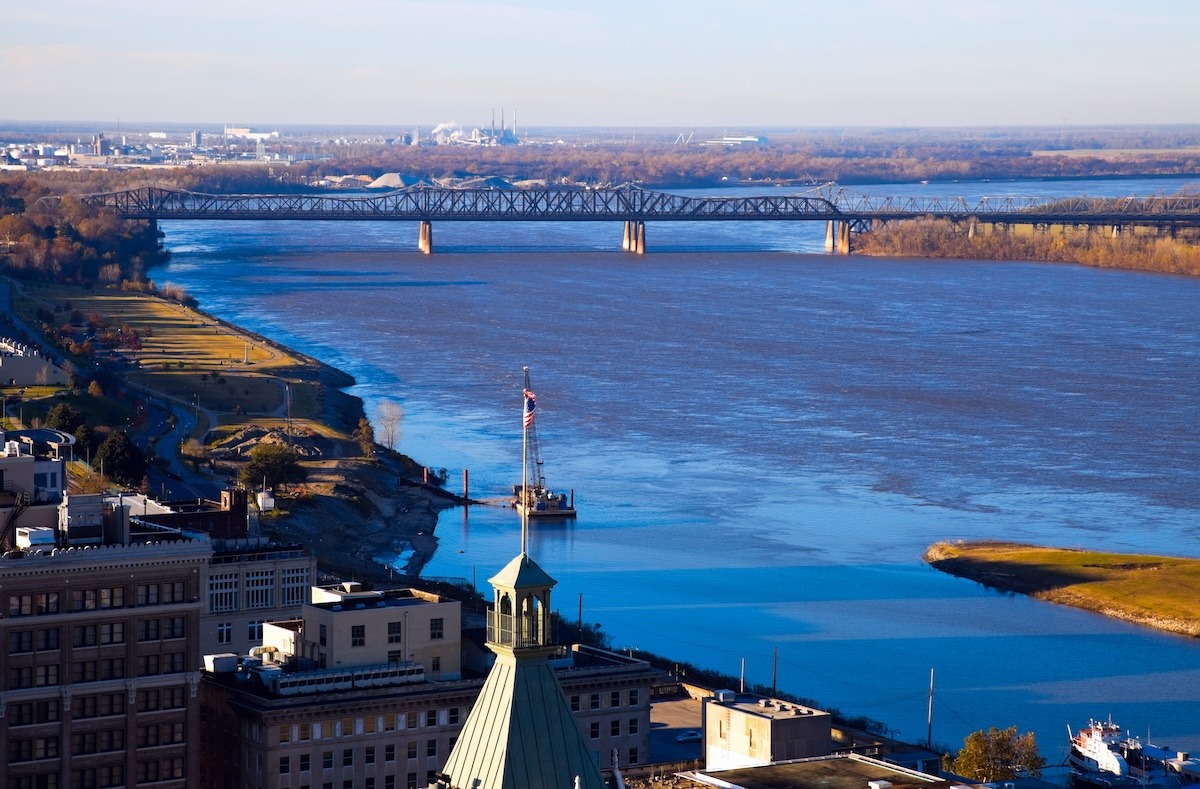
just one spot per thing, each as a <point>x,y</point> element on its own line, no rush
<point>822,772</point>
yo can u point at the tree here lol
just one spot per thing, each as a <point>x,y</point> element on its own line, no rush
<point>120,459</point>
<point>275,463</point>
<point>95,389</point>
<point>65,417</point>
<point>365,436</point>
<point>390,416</point>
<point>996,755</point>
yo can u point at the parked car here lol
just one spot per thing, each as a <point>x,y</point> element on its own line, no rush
<point>688,736</point>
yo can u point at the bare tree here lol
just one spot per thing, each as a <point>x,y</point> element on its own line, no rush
<point>391,414</point>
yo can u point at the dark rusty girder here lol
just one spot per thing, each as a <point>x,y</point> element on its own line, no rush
<point>634,204</point>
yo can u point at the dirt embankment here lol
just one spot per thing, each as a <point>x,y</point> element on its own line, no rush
<point>1161,592</point>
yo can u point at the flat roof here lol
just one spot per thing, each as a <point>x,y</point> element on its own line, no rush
<point>823,772</point>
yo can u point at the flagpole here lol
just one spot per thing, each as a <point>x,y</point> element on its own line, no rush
<point>524,462</point>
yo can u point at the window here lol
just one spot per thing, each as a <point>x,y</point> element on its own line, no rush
<point>395,633</point>
<point>452,716</point>
<point>395,656</point>
<point>20,641</point>
<point>46,639</point>
<point>633,725</point>
<point>324,635</point>
<point>430,777</point>
<point>575,705</point>
<point>358,635</point>
<point>347,757</point>
<point>614,727</point>
<point>389,782</point>
<point>173,627</point>
<point>222,592</point>
<point>294,585</point>
<point>285,734</point>
<point>260,589</point>
<point>148,630</point>
<point>389,753</point>
<point>412,749</point>
<point>614,699</point>
<point>254,630</point>
<point>412,781</point>
<point>285,765</point>
<point>431,717</point>
<point>633,755</point>
<point>327,760</point>
<point>305,762</point>
<point>431,747</point>
<point>634,697</point>
<point>435,628</point>
<point>369,782</point>
<point>225,633</point>
<point>435,665</point>
<point>594,732</point>
<point>595,701</point>
<point>369,755</point>
<point>148,665</point>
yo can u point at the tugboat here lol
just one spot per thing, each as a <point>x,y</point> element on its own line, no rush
<point>532,498</point>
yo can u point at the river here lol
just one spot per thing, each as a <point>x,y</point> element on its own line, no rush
<point>763,439</point>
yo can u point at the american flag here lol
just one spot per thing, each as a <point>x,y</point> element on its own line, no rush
<point>530,404</point>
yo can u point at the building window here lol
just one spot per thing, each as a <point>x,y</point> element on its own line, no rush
<point>395,633</point>
<point>594,732</point>
<point>254,630</point>
<point>173,627</point>
<point>323,635</point>
<point>412,781</point>
<point>614,699</point>
<point>595,701</point>
<point>412,749</point>
<point>148,630</point>
<point>369,755</point>
<point>295,585</point>
<point>260,589</point>
<point>633,755</point>
<point>285,765</point>
<point>435,628</point>
<point>222,592</point>
<point>347,757</point>
<point>305,762</point>
<point>431,717</point>
<point>452,716</point>
<point>358,635</point>
<point>389,753</point>
<point>633,725</point>
<point>395,656</point>
<point>575,704</point>
<point>634,697</point>
<point>431,747</point>
<point>614,727</point>
<point>389,782</point>
<point>327,760</point>
<point>435,665</point>
<point>225,633</point>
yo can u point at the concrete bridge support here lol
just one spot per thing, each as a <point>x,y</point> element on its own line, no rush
<point>425,237</point>
<point>830,233</point>
<point>633,238</point>
<point>843,238</point>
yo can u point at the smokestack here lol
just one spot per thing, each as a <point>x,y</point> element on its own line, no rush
<point>503,128</point>
<point>515,135</point>
<point>493,125</point>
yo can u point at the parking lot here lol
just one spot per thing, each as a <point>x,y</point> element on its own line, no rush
<point>669,719</point>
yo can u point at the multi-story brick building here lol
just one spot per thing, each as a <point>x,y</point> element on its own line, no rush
<point>100,659</point>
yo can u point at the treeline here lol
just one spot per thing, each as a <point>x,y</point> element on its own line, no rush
<point>62,240</point>
<point>941,238</point>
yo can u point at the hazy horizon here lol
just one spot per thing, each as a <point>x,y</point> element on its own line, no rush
<point>763,64</point>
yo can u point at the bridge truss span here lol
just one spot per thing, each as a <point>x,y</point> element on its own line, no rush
<point>635,206</point>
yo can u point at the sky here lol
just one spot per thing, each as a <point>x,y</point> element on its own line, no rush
<point>738,64</point>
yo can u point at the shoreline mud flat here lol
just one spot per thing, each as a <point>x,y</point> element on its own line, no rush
<point>1160,592</point>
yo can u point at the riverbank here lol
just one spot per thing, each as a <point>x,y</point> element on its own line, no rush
<point>353,511</point>
<point>1161,592</point>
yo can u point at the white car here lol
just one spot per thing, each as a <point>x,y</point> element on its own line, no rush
<point>688,736</point>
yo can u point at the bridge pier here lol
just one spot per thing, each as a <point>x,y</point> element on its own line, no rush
<point>425,237</point>
<point>843,238</point>
<point>830,229</point>
<point>633,239</point>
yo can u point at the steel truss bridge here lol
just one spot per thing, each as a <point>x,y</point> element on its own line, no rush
<point>844,212</point>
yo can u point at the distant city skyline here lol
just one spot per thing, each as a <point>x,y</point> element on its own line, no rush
<point>741,66</point>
